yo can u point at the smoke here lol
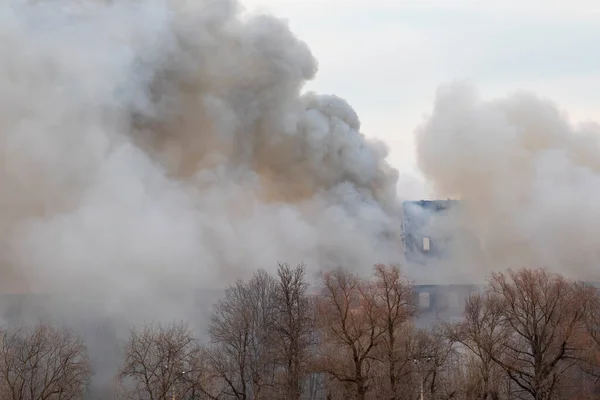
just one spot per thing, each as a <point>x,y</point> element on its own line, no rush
<point>165,146</point>
<point>528,176</point>
<point>153,152</point>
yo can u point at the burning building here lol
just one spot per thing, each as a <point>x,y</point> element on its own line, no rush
<point>436,244</point>
<point>421,240</point>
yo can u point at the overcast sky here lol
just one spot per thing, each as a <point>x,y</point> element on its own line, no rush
<point>387,57</point>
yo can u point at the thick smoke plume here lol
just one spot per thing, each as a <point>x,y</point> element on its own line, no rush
<point>160,146</point>
<point>530,178</point>
<point>154,151</point>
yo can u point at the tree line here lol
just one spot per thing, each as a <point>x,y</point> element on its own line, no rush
<point>528,334</point>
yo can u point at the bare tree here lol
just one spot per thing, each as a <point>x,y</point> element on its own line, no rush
<point>350,329</point>
<point>436,362</point>
<point>544,315</point>
<point>163,362</point>
<point>592,315</point>
<point>293,326</point>
<point>230,331</point>
<point>43,363</point>
<point>589,340</point>
<point>243,334</point>
<point>394,297</point>
<point>482,333</point>
<point>263,353</point>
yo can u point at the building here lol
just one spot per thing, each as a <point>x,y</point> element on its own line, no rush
<point>434,242</point>
<point>426,229</point>
<point>442,302</point>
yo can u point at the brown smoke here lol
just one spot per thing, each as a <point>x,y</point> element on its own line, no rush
<point>157,144</point>
<point>529,177</point>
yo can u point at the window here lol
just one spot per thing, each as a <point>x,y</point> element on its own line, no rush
<point>426,244</point>
<point>424,300</point>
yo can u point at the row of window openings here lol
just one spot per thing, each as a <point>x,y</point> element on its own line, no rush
<point>425,302</point>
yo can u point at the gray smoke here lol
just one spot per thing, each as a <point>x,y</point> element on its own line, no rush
<point>165,146</point>
<point>152,152</point>
<point>529,177</point>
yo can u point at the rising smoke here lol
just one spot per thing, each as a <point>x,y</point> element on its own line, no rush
<point>165,145</point>
<point>153,151</point>
<point>529,177</point>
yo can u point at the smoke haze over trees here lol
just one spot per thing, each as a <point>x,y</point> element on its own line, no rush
<point>158,157</point>
<point>155,151</point>
<point>528,334</point>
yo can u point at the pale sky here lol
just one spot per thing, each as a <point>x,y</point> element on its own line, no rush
<point>387,57</point>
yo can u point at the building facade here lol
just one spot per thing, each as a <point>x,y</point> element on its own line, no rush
<point>434,240</point>
<point>427,231</point>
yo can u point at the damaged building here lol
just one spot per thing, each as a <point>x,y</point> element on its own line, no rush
<point>434,240</point>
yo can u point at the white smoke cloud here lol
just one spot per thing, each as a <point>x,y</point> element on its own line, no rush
<point>529,176</point>
<point>165,144</point>
<point>153,152</point>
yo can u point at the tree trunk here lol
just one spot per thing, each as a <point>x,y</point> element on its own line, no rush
<point>360,392</point>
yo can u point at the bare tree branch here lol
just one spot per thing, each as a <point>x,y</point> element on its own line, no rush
<point>162,362</point>
<point>43,363</point>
